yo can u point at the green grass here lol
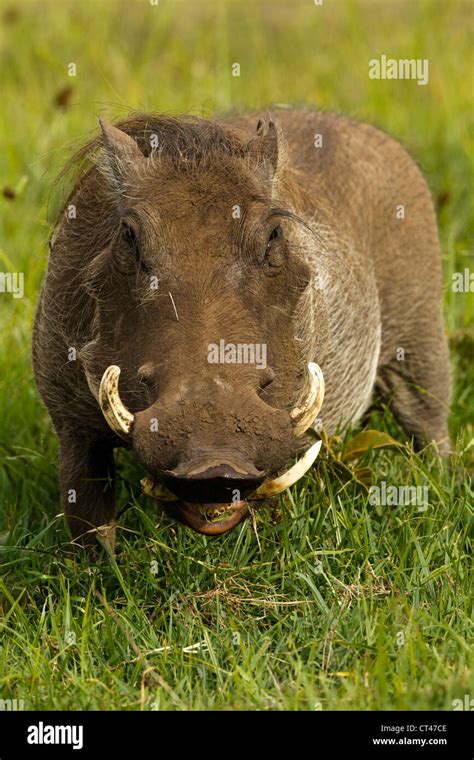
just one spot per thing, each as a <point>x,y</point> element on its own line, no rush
<point>332,603</point>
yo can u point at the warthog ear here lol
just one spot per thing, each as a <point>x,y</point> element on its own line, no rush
<point>266,149</point>
<point>121,157</point>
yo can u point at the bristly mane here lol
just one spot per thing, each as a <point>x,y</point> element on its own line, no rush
<point>189,138</point>
<point>188,141</point>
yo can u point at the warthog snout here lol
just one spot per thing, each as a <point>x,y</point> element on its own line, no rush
<point>207,473</point>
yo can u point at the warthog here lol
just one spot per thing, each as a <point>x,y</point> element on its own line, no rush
<point>311,236</point>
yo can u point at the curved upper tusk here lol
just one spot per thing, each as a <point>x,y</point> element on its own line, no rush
<point>277,485</point>
<point>305,414</point>
<point>113,409</point>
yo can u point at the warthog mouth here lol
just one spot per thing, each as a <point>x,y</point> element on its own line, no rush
<point>215,519</point>
<point>209,519</point>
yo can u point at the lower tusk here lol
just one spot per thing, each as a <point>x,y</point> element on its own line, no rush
<point>157,490</point>
<point>114,410</point>
<point>273,487</point>
<point>305,414</point>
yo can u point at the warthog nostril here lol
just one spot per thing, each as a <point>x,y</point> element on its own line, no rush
<point>266,377</point>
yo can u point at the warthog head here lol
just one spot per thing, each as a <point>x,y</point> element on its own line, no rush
<point>198,293</point>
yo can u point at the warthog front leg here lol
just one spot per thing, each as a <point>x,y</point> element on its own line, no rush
<point>87,489</point>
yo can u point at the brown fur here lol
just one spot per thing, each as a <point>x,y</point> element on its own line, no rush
<point>347,285</point>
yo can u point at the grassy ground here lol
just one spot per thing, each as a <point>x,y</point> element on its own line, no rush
<point>332,603</point>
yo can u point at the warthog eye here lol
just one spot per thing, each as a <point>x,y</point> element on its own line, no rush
<point>128,234</point>
<point>274,257</point>
<point>127,253</point>
<point>276,234</point>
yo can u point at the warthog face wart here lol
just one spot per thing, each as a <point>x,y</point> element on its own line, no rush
<point>206,283</point>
